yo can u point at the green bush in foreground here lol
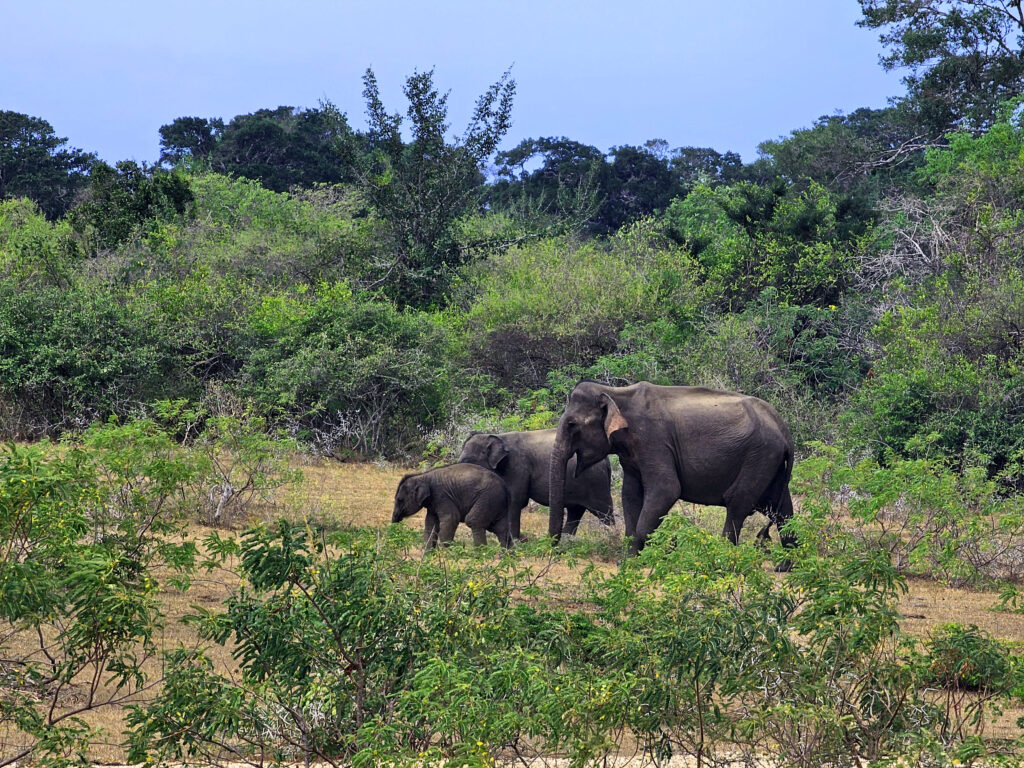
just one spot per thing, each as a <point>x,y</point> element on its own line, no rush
<point>84,540</point>
<point>351,652</point>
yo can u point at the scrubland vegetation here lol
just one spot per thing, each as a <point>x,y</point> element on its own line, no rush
<point>180,343</point>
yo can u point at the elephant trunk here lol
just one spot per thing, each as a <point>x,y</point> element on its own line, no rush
<point>556,487</point>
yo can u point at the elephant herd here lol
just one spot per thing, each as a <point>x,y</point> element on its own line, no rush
<point>700,445</point>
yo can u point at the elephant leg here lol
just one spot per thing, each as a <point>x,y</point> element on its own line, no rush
<point>781,516</point>
<point>573,514</point>
<point>741,499</point>
<point>736,513</point>
<point>503,531</point>
<point>632,501</point>
<point>430,528</point>
<point>448,524</point>
<point>515,517</point>
<point>764,536</point>
<point>657,503</point>
<point>479,537</point>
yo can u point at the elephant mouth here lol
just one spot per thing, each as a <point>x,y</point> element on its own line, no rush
<point>583,465</point>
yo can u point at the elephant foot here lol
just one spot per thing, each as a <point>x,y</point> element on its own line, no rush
<point>785,566</point>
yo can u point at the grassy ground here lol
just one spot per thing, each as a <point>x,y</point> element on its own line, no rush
<point>361,495</point>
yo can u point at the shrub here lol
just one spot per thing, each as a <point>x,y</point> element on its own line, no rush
<point>559,302</point>
<point>351,373</point>
<point>928,518</point>
<point>86,533</point>
<point>350,651</point>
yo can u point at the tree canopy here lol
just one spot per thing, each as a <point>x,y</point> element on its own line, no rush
<point>38,164</point>
<point>964,57</point>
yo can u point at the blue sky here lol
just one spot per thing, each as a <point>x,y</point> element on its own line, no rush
<point>722,73</point>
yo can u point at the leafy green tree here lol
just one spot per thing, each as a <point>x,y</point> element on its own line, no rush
<point>280,148</point>
<point>692,165</point>
<point>855,153</point>
<point>628,184</point>
<point>422,188</point>
<point>36,163</point>
<point>124,198</point>
<point>639,183</point>
<point>964,57</point>
<point>194,137</point>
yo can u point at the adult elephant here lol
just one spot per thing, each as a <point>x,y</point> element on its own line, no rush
<point>700,445</point>
<point>523,460</point>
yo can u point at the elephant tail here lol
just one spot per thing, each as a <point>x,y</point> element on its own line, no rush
<point>776,502</point>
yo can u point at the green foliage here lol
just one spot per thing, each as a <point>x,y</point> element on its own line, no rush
<point>929,519</point>
<point>36,163</point>
<point>348,650</point>
<point>123,201</point>
<point>351,372</point>
<point>930,392</point>
<point>244,466</point>
<point>559,302</point>
<point>84,532</point>
<point>964,58</point>
<point>32,249</point>
<point>279,148</point>
<point>746,237</point>
<point>70,354</point>
<point>421,189</point>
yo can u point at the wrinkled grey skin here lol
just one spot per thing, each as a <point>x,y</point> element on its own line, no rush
<point>453,494</point>
<point>523,459</point>
<point>703,446</point>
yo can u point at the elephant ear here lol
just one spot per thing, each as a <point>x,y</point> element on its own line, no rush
<point>421,491</point>
<point>614,421</point>
<point>497,451</point>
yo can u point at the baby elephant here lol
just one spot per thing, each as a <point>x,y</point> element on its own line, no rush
<point>465,492</point>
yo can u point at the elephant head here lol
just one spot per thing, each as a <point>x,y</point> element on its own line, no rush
<point>412,495</point>
<point>485,450</point>
<point>591,422</point>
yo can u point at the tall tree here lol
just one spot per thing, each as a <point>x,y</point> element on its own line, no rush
<point>36,163</point>
<point>422,187</point>
<point>189,137</point>
<point>280,147</point>
<point>964,57</point>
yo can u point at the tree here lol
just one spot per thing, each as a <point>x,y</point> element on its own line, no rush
<point>280,148</point>
<point>639,183</point>
<point>965,57</point>
<point>692,165</point>
<point>123,198</point>
<point>35,163</point>
<point>422,188</point>
<point>189,137</point>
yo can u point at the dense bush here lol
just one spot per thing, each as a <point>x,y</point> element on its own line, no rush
<point>350,652</point>
<point>349,372</point>
<point>558,302</point>
<point>86,533</point>
<point>955,525</point>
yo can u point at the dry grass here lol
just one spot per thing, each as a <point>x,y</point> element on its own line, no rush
<point>343,495</point>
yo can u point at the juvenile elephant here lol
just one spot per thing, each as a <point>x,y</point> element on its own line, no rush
<point>523,459</point>
<point>457,492</point>
<point>700,445</point>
